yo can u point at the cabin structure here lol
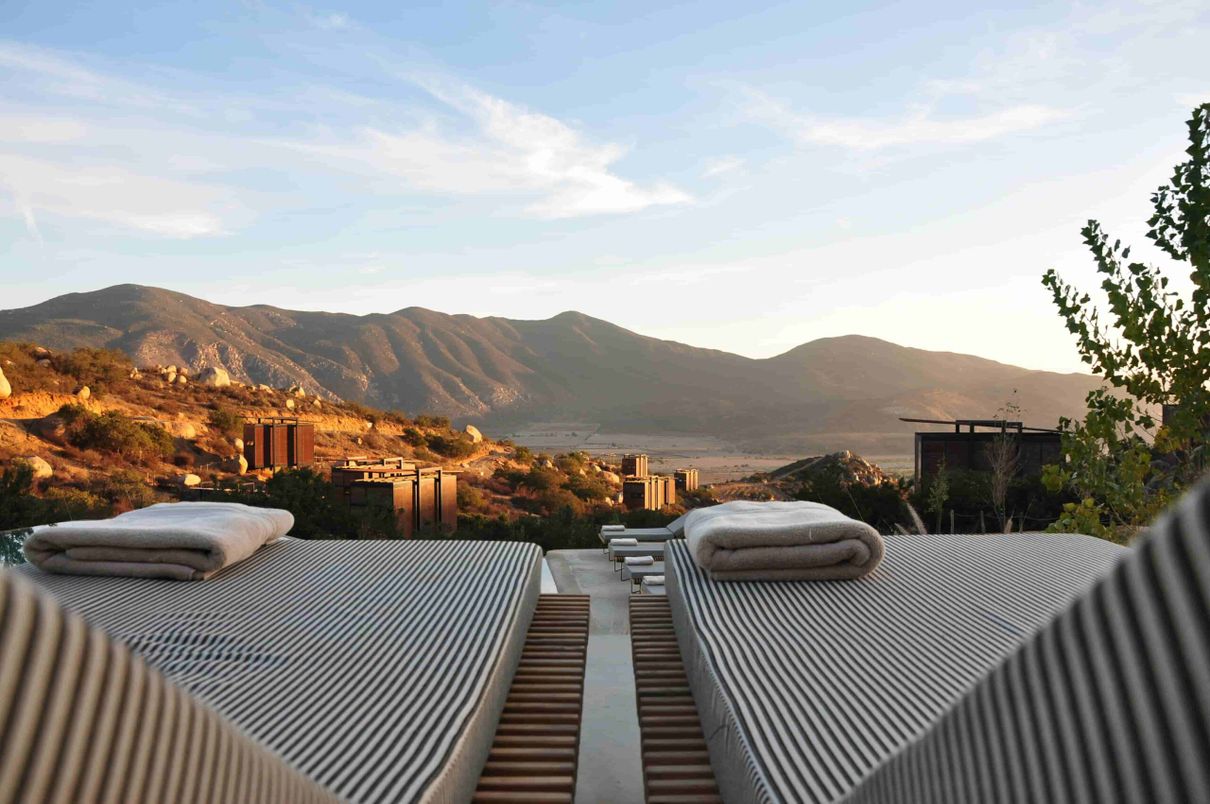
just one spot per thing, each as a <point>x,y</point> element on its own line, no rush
<point>971,446</point>
<point>421,499</point>
<point>278,442</point>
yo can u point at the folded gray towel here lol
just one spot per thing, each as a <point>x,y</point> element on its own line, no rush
<point>639,561</point>
<point>623,542</point>
<point>179,541</point>
<point>780,541</point>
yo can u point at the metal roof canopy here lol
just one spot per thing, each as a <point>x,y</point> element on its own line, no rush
<point>1003,425</point>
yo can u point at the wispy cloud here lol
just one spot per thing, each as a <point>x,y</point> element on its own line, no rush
<point>496,147</point>
<point>330,21</point>
<point>722,165</point>
<point>921,127</point>
<point>31,221</point>
<point>114,196</point>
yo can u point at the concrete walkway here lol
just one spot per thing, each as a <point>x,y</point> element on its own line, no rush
<point>611,768</point>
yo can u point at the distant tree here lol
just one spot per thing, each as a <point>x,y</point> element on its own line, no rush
<point>938,494</point>
<point>1154,351</point>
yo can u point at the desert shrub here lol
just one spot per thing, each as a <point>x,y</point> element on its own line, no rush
<point>563,530</point>
<point>435,422</point>
<point>589,489</point>
<point>470,498</point>
<point>413,437</point>
<point>226,421</point>
<point>125,490</point>
<point>523,455</point>
<point>453,445</point>
<point>556,500</point>
<point>572,463</point>
<point>97,368</point>
<point>539,480</point>
<point>184,459</point>
<point>114,433</point>
<point>70,503</point>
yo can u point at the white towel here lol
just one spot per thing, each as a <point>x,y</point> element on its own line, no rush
<point>613,527</point>
<point>653,580</point>
<point>639,561</point>
<point>623,542</point>
<point>180,541</point>
<point>771,541</point>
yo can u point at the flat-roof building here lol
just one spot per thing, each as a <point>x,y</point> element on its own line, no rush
<point>687,479</point>
<point>972,450</point>
<point>634,465</point>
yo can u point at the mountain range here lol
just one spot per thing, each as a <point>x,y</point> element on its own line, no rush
<point>833,393</point>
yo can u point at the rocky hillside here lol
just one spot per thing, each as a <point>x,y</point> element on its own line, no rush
<point>833,393</point>
<point>102,435</point>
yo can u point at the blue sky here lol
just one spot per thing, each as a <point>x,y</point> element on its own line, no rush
<point>738,176</point>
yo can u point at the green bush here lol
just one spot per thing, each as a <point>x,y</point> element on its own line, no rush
<point>435,422</point>
<point>226,421</point>
<point>413,437</point>
<point>115,433</point>
<point>453,445</point>
<point>96,368</point>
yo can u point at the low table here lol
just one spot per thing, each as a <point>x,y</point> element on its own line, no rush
<point>636,574</point>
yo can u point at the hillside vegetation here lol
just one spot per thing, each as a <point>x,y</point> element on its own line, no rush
<point>86,433</point>
<point>834,393</point>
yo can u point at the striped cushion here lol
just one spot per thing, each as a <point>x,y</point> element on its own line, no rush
<point>83,720</point>
<point>378,668</point>
<point>804,687</point>
<point>1110,702</point>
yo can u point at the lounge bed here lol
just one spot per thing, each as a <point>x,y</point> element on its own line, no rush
<point>378,669</point>
<point>619,552</point>
<point>803,688</point>
<point>673,530</point>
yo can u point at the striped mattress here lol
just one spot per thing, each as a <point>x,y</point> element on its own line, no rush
<point>377,668</point>
<point>805,687</point>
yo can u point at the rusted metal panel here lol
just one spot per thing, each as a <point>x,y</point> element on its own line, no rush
<point>447,508</point>
<point>426,501</point>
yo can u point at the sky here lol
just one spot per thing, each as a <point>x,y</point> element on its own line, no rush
<point>740,176</point>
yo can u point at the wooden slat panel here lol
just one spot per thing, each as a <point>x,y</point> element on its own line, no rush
<point>536,752</point>
<point>676,764</point>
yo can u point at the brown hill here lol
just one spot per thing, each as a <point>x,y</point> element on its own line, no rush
<point>833,393</point>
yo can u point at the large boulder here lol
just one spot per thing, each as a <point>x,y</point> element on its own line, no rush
<point>189,479</point>
<point>169,377</point>
<point>84,393</point>
<point>238,443</point>
<point>215,377</point>
<point>6,390</point>
<point>473,432</point>
<point>297,390</point>
<point>181,379</point>
<point>289,404</point>
<point>41,352</point>
<point>41,469</point>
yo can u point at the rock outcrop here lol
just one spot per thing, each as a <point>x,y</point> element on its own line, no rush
<point>215,377</point>
<point>6,389</point>
<point>41,468</point>
<point>473,432</point>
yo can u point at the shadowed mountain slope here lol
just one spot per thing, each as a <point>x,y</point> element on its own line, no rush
<point>832,393</point>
